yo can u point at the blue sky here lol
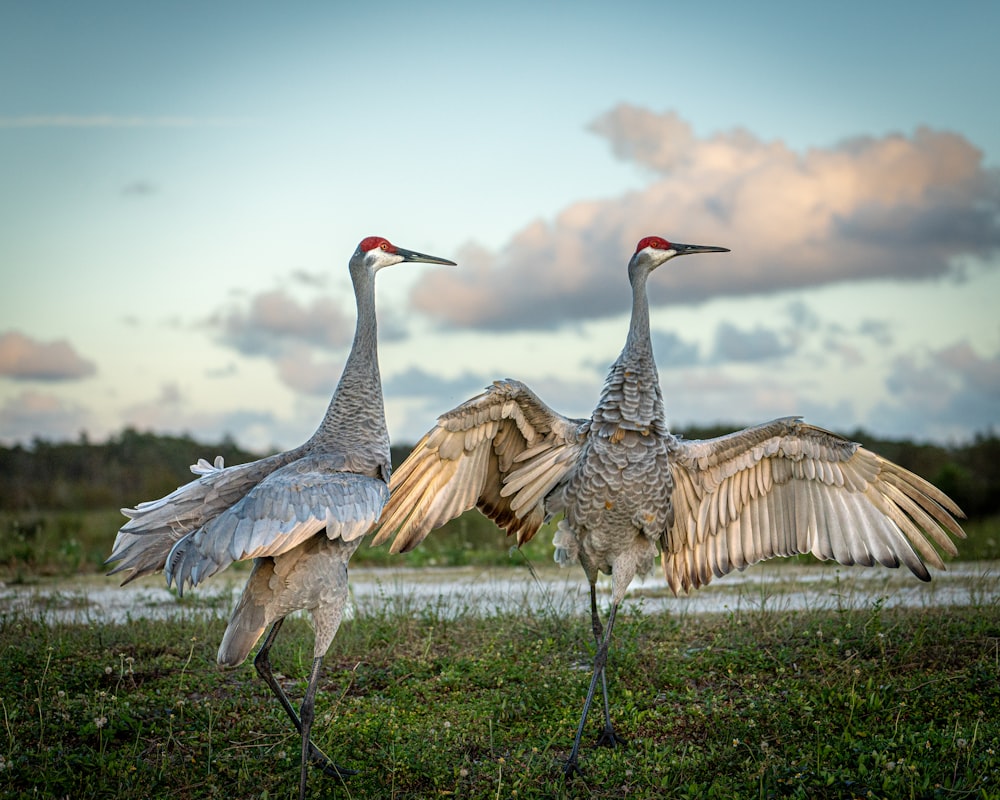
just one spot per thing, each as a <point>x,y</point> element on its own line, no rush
<point>181,186</point>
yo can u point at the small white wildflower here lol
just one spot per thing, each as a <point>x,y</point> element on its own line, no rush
<point>100,722</point>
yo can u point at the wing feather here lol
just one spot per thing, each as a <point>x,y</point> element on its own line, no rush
<point>787,487</point>
<point>154,527</point>
<point>504,451</point>
<point>290,505</point>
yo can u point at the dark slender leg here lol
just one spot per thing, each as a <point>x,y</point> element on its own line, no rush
<point>608,737</point>
<point>262,662</point>
<point>308,714</point>
<point>600,660</point>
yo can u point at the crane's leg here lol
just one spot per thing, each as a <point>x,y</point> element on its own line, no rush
<point>608,737</point>
<point>262,662</point>
<point>600,661</point>
<point>308,714</point>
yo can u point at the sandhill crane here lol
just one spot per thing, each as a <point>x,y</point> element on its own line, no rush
<point>299,515</point>
<point>629,490</point>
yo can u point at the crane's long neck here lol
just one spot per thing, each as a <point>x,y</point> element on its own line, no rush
<point>354,424</point>
<point>632,399</point>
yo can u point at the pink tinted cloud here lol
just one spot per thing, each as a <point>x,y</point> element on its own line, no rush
<point>275,320</point>
<point>895,206</point>
<point>24,358</point>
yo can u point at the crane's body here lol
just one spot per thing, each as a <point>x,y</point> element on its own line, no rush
<point>629,490</point>
<point>299,515</point>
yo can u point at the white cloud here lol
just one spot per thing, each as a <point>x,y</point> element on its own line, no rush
<point>899,207</point>
<point>275,321</point>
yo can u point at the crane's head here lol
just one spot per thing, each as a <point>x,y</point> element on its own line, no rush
<point>374,252</point>
<point>655,250</point>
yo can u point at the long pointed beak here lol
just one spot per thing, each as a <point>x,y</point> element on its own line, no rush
<point>688,249</point>
<point>412,255</point>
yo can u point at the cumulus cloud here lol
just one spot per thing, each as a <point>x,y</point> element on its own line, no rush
<point>274,321</point>
<point>673,351</point>
<point>759,344</point>
<point>32,414</point>
<point>897,206</point>
<point>943,393</point>
<point>878,331</point>
<point>24,358</point>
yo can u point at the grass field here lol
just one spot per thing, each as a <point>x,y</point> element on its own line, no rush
<point>876,702</point>
<point>755,702</point>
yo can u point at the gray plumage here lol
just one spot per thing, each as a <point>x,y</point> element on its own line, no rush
<point>300,515</point>
<point>629,490</point>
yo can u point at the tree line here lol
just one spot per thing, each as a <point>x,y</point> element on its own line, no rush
<point>133,466</point>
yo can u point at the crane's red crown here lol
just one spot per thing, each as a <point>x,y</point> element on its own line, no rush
<point>653,241</point>
<point>372,242</point>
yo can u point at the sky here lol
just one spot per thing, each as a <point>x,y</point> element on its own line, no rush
<point>182,185</point>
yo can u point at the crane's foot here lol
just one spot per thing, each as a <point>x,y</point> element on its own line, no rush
<point>571,769</point>
<point>609,738</point>
<point>327,765</point>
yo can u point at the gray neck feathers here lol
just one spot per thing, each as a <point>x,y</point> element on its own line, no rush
<point>354,424</point>
<point>632,399</point>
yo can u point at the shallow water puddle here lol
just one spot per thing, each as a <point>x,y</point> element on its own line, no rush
<point>452,592</point>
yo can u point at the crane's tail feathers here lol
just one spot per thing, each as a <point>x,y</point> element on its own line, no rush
<point>248,620</point>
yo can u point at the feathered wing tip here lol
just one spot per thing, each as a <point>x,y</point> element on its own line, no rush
<point>503,451</point>
<point>785,488</point>
<point>143,543</point>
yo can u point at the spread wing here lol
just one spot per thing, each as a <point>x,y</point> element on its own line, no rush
<point>503,451</point>
<point>785,488</point>
<point>289,506</point>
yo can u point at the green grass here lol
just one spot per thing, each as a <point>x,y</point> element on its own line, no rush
<point>63,543</point>
<point>874,703</point>
<point>46,544</point>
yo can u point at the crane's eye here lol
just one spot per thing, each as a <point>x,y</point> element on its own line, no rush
<point>384,246</point>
